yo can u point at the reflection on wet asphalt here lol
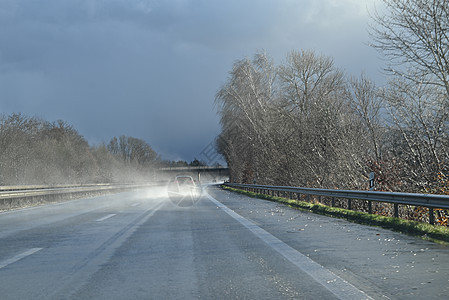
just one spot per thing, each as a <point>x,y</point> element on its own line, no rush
<point>141,245</point>
<point>380,262</point>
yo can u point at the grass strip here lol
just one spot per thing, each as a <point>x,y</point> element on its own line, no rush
<point>437,234</point>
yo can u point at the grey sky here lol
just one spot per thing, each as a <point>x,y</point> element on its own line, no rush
<point>150,68</point>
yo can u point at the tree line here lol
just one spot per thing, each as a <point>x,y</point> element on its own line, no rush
<point>35,151</point>
<point>306,123</point>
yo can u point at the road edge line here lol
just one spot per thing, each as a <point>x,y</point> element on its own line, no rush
<point>335,284</point>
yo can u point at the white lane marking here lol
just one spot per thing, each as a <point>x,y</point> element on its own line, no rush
<point>106,217</point>
<point>335,284</point>
<point>18,257</point>
<point>88,266</point>
<point>135,204</point>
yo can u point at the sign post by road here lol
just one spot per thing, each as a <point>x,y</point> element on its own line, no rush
<point>371,181</point>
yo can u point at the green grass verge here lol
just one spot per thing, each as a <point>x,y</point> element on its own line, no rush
<point>437,234</point>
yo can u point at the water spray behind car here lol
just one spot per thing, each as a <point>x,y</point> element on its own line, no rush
<point>183,191</point>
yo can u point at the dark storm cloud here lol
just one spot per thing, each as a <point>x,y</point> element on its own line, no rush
<point>150,69</point>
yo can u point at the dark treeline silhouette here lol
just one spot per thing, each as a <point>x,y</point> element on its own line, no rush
<point>181,163</point>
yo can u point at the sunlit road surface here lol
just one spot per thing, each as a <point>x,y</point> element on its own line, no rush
<point>139,245</point>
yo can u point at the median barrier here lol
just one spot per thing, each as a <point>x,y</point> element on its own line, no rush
<point>13,197</point>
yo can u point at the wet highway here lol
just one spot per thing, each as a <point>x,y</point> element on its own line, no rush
<point>140,245</point>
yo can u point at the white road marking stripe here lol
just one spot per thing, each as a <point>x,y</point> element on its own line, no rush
<point>335,284</point>
<point>135,204</point>
<point>19,257</point>
<point>106,217</point>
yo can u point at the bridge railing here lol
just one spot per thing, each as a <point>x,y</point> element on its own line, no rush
<point>194,168</point>
<point>429,201</point>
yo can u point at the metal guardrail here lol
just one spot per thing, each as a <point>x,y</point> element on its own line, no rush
<point>21,196</point>
<point>425,200</point>
<point>4,188</point>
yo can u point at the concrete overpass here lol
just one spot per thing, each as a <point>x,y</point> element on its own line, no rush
<point>198,172</point>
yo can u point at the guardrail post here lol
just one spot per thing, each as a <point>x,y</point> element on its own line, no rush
<point>350,204</point>
<point>370,206</point>
<point>333,202</point>
<point>396,210</point>
<point>431,216</point>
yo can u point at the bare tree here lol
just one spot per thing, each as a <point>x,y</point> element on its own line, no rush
<point>308,79</point>
<point>367,104</point>
<point>132,150</point>
<point>244,105</point>
<point>421,115</point>
<point>33,151</point>
<point>414,35</point>
<point>290,125</point>
<point>314,97</point>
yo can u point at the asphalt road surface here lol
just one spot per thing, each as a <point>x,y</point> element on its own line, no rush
<point>140,245</point>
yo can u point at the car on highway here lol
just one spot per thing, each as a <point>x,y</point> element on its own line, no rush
<point>183,190</point>
<point>185,182</point>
